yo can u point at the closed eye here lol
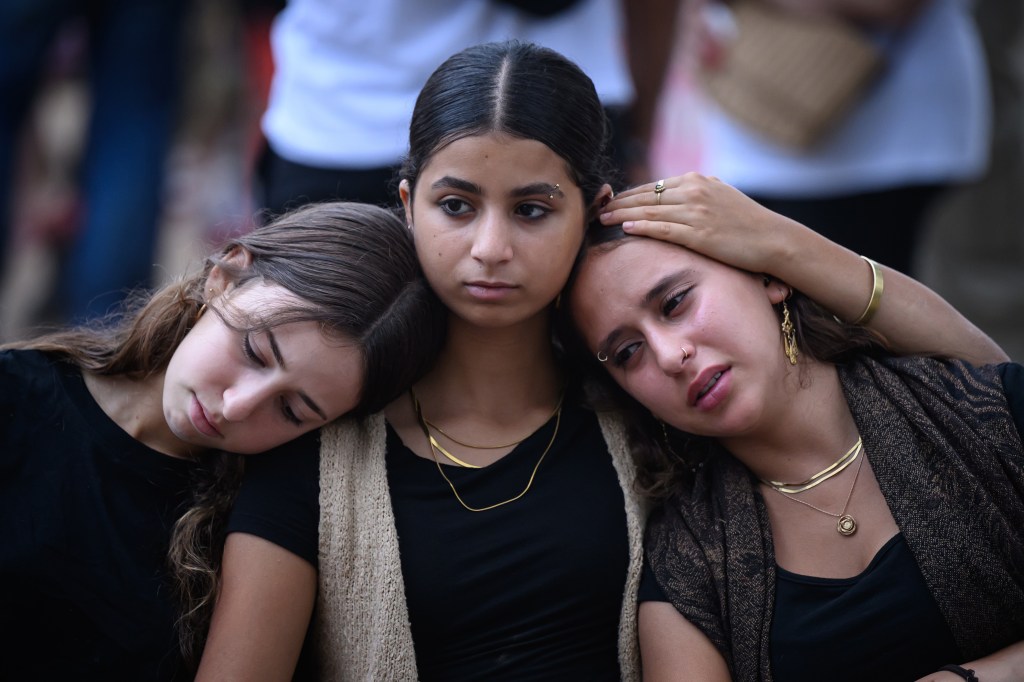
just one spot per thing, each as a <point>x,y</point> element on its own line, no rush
<point>250,352</point>
<point>289,413</point>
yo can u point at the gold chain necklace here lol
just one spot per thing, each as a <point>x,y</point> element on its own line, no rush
<point>444,451</point>
<point>828,472</point>
<point>846,525</point>
<point>434,446</point>
<point>479,447</point>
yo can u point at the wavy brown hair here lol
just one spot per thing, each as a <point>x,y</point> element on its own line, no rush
<point>666,457</point>
<point>355,270</point>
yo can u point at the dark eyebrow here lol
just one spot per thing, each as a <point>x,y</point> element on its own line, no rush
<point>538,188</point>
<point>457,183</point>
<point>312,405</point>
<point>655,292</point>
<point>276,350</point>
<point>663,285</point>
<point>449,182</point>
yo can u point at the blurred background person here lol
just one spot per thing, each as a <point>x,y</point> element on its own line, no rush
<point>347,74</point>
<point>922,125</point>
<point>971,248</point>
<point>131,54</point>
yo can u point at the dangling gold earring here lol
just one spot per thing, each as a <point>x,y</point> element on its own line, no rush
<point>199,313</point>
<point>788,336</point>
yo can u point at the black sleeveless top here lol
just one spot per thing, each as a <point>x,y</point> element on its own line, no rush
<point>884,619</point>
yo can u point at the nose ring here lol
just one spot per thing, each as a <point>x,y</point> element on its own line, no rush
<point>686,355</point>
<point>602,357</point>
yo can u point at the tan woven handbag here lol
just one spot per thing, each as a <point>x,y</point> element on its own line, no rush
<point>788,77</point>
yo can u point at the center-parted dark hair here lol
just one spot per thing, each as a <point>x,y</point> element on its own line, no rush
<point>519,89</point>
<point>666,457</point>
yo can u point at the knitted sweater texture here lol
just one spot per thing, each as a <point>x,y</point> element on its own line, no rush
<point>950,464</point>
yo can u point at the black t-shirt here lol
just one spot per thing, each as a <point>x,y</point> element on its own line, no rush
<point>531,590</point>
<point>85,517</point>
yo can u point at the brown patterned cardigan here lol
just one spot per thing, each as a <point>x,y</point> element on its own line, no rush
<point>949,461</point>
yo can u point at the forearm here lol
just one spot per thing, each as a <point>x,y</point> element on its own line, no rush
<point>650,27</point>
<point>1005,665</point>
<point>716,219</point>
<point>912,317</point>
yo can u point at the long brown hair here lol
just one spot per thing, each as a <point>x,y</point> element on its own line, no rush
<point>667,457</point>
<point>355,270</point>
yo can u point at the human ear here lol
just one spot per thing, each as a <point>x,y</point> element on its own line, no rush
<point>220,280</point>
<point>604,195</point>
<point>405,193</point>
<point>777,290</point>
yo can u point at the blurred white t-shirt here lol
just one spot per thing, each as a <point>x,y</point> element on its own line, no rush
<point>927,119</point>
<point>347,73</point>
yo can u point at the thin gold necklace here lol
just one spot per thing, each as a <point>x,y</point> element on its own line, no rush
<point>846,524</point>
<point>828,472</point>
<point>533,474</point>
<point>444,451</point>
<point>479,447</point>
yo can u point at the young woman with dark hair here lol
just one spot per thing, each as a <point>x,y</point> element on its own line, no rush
<point>901,558</point>
<point>485,525</point>
<point>113,435</point>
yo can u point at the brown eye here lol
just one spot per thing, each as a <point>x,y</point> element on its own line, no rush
<point>624,355</point>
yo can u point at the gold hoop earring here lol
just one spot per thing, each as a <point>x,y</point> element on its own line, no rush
<point>199,313</point>
<point>789,346</point>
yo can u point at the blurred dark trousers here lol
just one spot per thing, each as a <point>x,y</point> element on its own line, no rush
<point>134,72</point>
<point>286,184</point>
<point>884,226</point>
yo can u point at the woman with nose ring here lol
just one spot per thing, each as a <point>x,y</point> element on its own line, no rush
<point>824,508</point>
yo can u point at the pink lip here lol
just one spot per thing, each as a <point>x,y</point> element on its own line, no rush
<point>197,414</point>
<point>489,291</point>
<point>717,392</point>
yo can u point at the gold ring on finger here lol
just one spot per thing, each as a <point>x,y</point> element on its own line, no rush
<point>659,187</point>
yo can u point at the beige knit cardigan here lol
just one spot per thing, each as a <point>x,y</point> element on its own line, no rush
<point>362,622</point>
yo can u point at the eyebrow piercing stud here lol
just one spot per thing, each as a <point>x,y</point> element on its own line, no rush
<point>552,196</point>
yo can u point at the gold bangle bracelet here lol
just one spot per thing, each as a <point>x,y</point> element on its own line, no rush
<point>877,286</point>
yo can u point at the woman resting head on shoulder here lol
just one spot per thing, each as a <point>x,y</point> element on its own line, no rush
<point>827,510</point>
<point>427,535</point>
<point>112,431</point>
